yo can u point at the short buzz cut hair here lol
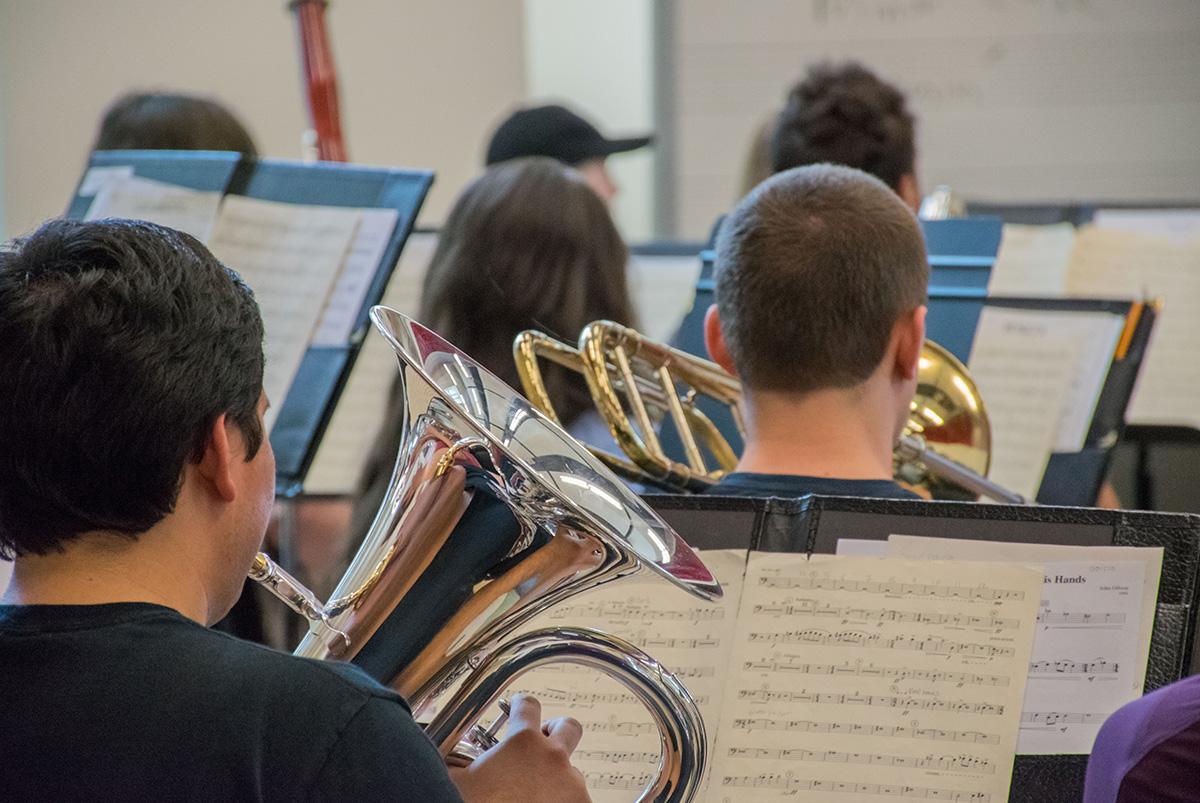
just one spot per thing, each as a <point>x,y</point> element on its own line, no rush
<point>121,343</point>
<point>814,267</point>
<point>845,114</point>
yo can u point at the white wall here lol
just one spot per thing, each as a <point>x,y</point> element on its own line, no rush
<point>421,81</point>
<point>597,57</point>
<point>1036,100</point>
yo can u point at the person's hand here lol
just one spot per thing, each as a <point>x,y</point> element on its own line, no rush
<point>531,765</point>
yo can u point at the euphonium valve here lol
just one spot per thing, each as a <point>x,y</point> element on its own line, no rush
<point>493,515</point>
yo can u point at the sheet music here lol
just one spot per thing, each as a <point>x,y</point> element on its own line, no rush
<point>1094,336</point>
<point>874,678</point>
<point>1178,224</point>
<point>290,255</point>
<point>1032,260</point>
<point>361,409</point>
<point>663,289</point>
<point>620,748</point>
<point>1093,633</point>
<point>96,177</point>
<point>1021,369</point>
<point>1124,264</point>
<point>350,291</point>
<point>129,196</point>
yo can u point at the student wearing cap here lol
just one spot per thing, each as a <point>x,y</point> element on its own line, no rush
<point>559,133</point>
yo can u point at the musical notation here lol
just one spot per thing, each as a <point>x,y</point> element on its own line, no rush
<point>588,699</point>
<point>892,588</point>
<point>878,700</point>
<point>792,664</point>
<point>932,645</point>
<point>1092,633</point>
<point>1082,618</point>
<point>617,726</point>
<point>652,643</point>
<point>1050,719</point>
<point>643,610</point>
<point>683,671</point>
<point>290,255</point>
<point>935,627</point>
<point>616,756</point>
<point>915,731</point>
<point>791,784</point>
<point>961,762</point>
<point>1097,667</point>
<point>808,607</point>
<point>616,780</point>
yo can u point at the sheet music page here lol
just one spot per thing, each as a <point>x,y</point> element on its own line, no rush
<point>1109,263</point>
<point>1178,224</point>
<point>875,678</point>
<point>350,291</point>
<point>1022,370</point>
<point>1094,336</point>
<point>96,177</point>
<point>1032,260</point>
<point>691,637</point>
<point>663,289</point>
<point>362,407</point>
<point>290,255</point>
<point>1093,633</point>
<point>129,196</point>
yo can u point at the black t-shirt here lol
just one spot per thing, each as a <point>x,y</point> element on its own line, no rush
<point>132,701</point>
<point>744,483</point>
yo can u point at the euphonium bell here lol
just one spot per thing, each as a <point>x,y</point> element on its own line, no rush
<point>493,515</point>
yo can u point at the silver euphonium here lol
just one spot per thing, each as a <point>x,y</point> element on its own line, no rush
<point>493,515</point>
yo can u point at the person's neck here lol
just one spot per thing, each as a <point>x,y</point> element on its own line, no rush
<point>99,568</point>
<point>843,434</point>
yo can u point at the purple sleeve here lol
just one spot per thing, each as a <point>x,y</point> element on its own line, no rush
<point>1149,750</point>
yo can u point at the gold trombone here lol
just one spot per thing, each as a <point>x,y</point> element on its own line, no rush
<point>637,383</point>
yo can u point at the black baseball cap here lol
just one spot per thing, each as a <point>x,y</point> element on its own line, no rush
<point>557,132</point>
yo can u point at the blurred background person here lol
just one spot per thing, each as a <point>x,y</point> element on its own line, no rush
<point>559,133</point>
<point>845,114</point>
<point>527,245</point>
<point>164,121</point>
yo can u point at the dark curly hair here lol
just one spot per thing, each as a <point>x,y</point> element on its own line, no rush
<point>121,342</point>
<point>844,114</point>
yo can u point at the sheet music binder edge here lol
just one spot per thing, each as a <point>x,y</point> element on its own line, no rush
<point>234,174</point>
<point>1035,778</point>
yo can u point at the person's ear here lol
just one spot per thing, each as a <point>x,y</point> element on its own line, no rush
<point>910,337</point>
<point>910,191</point>
<point>216,465</point>
<point>714,341</point>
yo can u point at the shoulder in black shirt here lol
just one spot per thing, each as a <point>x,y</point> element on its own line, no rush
<point>742,483</point>
<point>131,701</point>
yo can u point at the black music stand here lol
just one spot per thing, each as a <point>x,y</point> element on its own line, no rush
<point>815,523</point>
<point>308,407</point>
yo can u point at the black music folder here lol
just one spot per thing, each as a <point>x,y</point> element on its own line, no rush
<point>1071,478</point>
<point>814,524</point>
<point>324,369</point>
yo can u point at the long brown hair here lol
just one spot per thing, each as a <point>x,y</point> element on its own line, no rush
<point>528,245</point>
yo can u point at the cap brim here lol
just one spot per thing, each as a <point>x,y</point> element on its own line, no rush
<point>622,145</point>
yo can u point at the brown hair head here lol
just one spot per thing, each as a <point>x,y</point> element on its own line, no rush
<point>162,121</point>
<point>844,114</point>
<point>814,268</point>
<point>528,245</point>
